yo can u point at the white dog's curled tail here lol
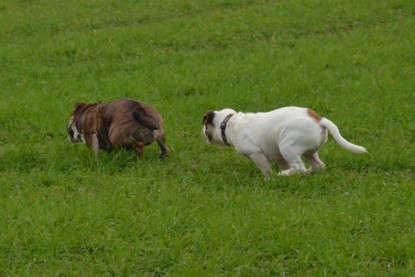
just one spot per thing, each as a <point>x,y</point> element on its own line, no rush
<point>334,131</point>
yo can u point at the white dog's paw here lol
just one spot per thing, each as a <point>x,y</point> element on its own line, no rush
<point>287,172</point>
<point>292,171</point>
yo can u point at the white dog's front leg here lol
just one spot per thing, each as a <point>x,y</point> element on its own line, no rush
<point>262,163</point>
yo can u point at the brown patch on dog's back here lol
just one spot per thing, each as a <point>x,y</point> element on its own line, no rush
<point>314,115</point>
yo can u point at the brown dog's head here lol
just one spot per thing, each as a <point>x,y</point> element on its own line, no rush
<point>75,123</point>
<point>211,125</point>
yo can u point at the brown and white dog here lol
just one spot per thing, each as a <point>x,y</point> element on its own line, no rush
<point>125,123</point>
<point>281,136</point>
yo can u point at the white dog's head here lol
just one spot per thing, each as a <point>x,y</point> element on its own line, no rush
<point>211,125</point>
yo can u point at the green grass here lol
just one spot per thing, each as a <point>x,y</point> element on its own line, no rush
<point>206,211</point>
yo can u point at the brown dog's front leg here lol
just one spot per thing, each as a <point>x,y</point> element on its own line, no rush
<point>95,144</point>
<point>92,142</point>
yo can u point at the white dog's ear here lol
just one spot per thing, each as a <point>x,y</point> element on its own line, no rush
<point>208,118</point>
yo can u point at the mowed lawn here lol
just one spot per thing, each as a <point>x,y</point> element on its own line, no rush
<point>206,211</point>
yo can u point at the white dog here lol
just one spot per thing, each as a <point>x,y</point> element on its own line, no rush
<point>282,136</point>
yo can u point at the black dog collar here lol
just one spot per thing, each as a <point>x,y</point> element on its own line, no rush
<point>223,127</point>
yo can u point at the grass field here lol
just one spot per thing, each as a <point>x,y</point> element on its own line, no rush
<point>206,211</point>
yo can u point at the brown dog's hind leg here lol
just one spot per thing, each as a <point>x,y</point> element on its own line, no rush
<point>163,147</point>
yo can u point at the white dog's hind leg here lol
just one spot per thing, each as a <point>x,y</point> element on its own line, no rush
<point>294,161</point>
<point>262,163</point>
<point>314,160</point>
<point>283,164</point>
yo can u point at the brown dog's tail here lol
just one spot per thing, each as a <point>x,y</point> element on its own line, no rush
<point>146,120</point>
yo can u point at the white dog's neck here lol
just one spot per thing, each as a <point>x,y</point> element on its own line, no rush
<point>223,128</point>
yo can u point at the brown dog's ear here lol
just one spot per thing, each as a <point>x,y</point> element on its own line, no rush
<point>208,118</point>
<point>78,105</point>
